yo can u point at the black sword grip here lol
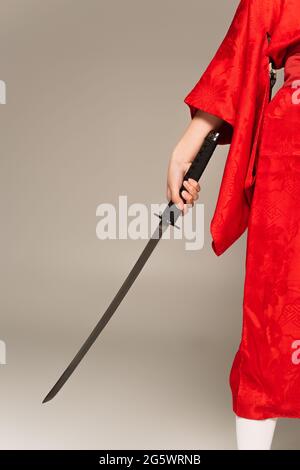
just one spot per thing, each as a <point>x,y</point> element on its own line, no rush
<point>201,160</point>
<point>171,213</point>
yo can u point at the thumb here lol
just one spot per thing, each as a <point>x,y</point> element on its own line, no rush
<point>176,199</point>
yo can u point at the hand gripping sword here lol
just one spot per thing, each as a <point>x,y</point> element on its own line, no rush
<point>168,217</point>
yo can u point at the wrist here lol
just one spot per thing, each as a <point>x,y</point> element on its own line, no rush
<point>179,156</point>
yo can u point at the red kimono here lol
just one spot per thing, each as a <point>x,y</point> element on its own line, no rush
<point>260,190</point>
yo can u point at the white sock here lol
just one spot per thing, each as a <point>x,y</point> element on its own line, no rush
<point>255,434</point>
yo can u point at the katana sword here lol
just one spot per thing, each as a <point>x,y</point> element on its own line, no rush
<point>167,218</point>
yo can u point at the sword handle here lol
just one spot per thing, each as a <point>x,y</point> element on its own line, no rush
<point>171,212</point>
<point>201,160</point>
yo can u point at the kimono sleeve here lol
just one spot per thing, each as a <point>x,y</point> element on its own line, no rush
<point>218,89</point>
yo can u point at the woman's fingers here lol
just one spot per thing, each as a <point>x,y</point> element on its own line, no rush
<point>169,194</point>
<point>194,183</point>
<point>173,194</point>
<point>187,197</point>
<point>191,189</point>
<point>190,194</point>
<point>176,172</point>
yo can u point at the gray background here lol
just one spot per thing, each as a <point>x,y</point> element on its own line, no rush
<point>95,93</point>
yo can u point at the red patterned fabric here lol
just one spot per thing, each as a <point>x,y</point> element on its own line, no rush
<point>235,87</point>
<point>265,374</point>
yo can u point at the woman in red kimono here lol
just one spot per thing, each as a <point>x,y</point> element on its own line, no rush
<point>260,191</point>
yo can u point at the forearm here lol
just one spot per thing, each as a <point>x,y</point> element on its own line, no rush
<point>191,141</point>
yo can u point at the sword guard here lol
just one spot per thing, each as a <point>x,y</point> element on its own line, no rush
<point>170,215</point>
<point>166,221</point>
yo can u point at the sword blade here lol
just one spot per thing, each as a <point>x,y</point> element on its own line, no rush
<point>168,217</point>
<point>111,309</point>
